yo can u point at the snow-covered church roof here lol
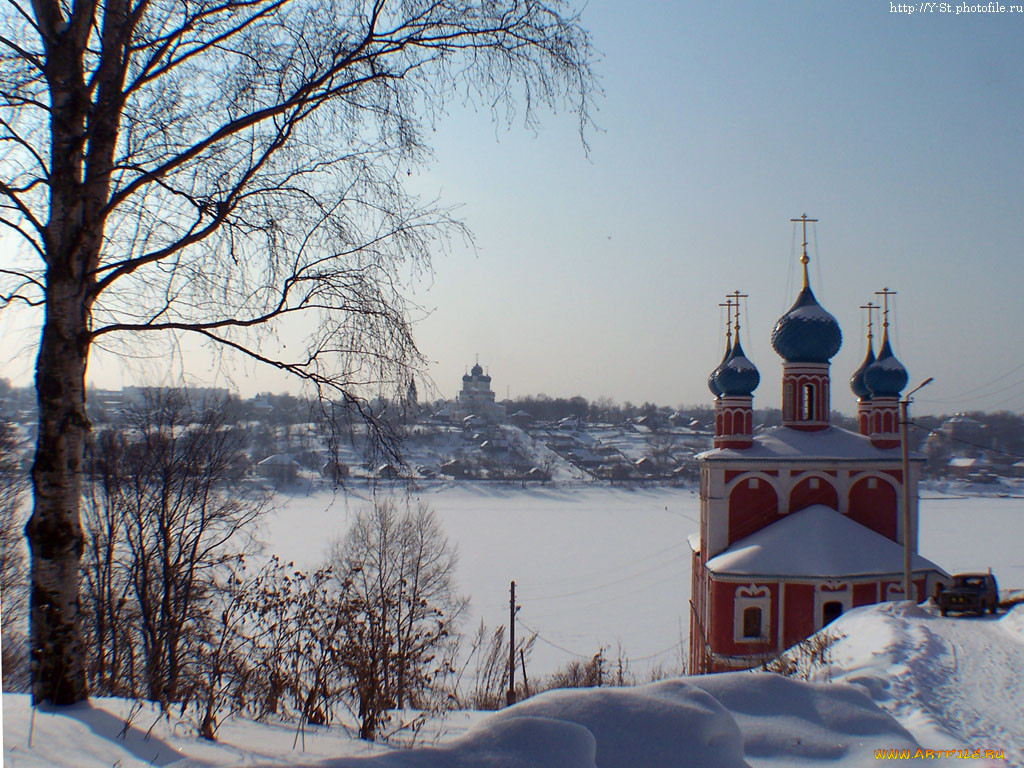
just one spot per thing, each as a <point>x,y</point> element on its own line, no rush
<point>816,542</point>
<point>787,443</point>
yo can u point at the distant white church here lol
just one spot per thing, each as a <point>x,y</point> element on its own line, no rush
<point>476,397</point>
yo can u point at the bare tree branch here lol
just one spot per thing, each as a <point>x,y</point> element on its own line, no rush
<point>28,238</point>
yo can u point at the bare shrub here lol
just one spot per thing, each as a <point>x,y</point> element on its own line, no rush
<point>488,658</point>
<point>580,673</point>
<point>807,658</point>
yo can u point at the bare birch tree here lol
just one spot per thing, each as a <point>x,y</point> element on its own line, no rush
<point>222,169</point>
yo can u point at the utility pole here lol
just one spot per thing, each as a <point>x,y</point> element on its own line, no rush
<point>522,660</point>
<point>905,455</point>
<point>510,696</point>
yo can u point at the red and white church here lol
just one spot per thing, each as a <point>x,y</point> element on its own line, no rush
<point>803,521</point>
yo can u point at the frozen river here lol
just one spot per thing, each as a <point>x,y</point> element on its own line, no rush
<point>599,567</point>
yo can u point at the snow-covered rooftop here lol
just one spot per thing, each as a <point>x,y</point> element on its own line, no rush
<point>787,443</point>
<point>965,462</point>
<point>816,541</point>
<point>279,460</point>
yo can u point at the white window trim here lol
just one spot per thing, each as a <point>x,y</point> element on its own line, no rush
<point>752,596</point>
<point>834,594</point>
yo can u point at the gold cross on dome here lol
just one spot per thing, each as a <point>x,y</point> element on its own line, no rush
<point>870,307</point>
<point>885,293</point>
<point>729,304</point>
<point>736,295</point>
<point>804,258</point>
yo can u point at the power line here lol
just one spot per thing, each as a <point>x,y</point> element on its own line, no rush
<point>980,397</point>
<point>600,600</point>
<point>684,516</point>
<point>552,643</point>
<point>622,567</point>
<point>986,384</point>
<point>662,652</point>
<point>668,579</point>
<point>605,585</point>
<point>952,439</point>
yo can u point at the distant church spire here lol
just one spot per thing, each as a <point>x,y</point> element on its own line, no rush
<point>885,378</point>
<point>735,297</point>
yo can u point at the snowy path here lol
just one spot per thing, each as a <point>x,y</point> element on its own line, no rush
<point>976,690</point>
<point>954,683</point>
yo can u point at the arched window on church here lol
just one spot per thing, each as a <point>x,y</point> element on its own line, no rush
<point>830,612</point>
<point>807,402</point>
<point>752,622</point>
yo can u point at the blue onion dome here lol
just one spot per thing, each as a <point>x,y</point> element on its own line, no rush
<point>477,370</point>
<point>807,333</point>
<point>737,376</point>
<point>886,377</point>
<point>860,389</point>
<point>712,384</point>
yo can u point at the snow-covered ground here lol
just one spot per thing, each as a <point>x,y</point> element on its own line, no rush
<point>903,680</point>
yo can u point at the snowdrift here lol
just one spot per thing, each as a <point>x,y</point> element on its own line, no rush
<point>725,721</point>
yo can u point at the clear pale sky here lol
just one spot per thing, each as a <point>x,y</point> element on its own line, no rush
<point>600,274</point>
<point>903,135</point>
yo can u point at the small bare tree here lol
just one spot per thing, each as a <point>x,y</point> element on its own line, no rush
<point>225,170</point>
<point>218,671</point>
<point>398,569</point>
